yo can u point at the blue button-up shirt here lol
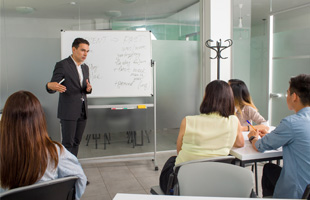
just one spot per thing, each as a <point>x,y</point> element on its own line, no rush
<point>293,134</point>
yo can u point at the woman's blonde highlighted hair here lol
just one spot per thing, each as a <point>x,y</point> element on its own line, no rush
<point>242,95</point>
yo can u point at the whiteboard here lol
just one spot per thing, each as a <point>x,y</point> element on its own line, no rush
<point>119,61</point>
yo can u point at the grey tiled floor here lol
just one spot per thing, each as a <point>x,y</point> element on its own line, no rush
<point>136,176</point>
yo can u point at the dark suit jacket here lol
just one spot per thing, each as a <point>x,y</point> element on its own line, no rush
<point>70,103</point>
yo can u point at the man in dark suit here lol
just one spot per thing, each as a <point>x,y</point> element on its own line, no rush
<point>71,79</point>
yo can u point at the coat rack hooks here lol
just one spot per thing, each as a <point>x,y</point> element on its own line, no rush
<point>218,49</point>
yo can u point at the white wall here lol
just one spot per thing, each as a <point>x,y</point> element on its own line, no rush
<point>30,48</point>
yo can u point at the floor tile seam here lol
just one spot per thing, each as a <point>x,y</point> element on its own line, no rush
<point>101,168</point>
<point>147,176</point>
<point>140,184</point>
<point>93,195</point>
<point>136,179</point>
<point>109,179</point>
<point>97,181</point>
<point>137,176</point>
<point>112,192</point>
<point>146,189</point>
<point>105,185</point>
<point>150,163</point>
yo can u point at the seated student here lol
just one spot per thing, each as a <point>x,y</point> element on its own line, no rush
<point>27,154</point>
<point>245,108</point>
<point>293,135</point>
<point>212,133</point>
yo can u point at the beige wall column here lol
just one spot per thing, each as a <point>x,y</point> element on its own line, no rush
<point>216,24</point>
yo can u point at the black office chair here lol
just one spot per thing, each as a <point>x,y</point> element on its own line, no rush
<point>60,189</point>
<point>306,194</point>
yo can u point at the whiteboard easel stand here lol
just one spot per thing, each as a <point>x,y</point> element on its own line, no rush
<point>154,93</point>
<point>128,157</point>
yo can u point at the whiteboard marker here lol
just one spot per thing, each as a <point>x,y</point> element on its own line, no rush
<point>117,108</point>
<point>61,81</point>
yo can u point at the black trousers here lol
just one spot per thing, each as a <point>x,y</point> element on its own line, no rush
<point>165,173</point>
<point>72,132</point>
<point>271,174</point>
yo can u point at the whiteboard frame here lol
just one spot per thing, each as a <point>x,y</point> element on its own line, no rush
<point>123,31</point>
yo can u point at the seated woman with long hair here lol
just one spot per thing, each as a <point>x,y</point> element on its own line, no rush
<point>27,154</point>
<point>245,108</point>
<point>212,133</point>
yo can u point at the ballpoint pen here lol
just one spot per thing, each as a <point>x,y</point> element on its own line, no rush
<point>251,125</point>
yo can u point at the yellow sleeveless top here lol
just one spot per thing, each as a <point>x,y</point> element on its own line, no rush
<point>207,135</point>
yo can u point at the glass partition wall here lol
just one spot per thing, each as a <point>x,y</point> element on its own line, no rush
<point>30,47</point>
<point>290,55</point>
<point>252,45</point>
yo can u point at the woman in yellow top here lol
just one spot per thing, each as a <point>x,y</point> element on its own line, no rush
<point>245,108</point>
<point>212,133</point>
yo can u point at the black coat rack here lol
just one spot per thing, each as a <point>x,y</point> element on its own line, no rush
<point>218,49</point>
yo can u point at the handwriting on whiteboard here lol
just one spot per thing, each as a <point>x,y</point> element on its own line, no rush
<point>119,62</point>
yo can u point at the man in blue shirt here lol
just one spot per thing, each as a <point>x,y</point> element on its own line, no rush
<point>293,135</point>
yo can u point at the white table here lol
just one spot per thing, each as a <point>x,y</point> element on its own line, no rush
<point>121,196</point>
<point>248,154</point>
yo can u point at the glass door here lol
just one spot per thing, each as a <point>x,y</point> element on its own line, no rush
<point>290,56</point>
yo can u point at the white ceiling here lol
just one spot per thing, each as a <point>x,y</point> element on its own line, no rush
<point>253,11</point>
<point>97,9</point>
<point>261,9</point>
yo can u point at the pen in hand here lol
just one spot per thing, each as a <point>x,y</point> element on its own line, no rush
<point>251,126</point>
<point>61,81</point>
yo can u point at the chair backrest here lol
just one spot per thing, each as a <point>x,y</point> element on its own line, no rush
<point>306,194</point>
<point>214,179</point>
<point>60,189</point>
<point>172,187</point>
<point>222,159</point>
